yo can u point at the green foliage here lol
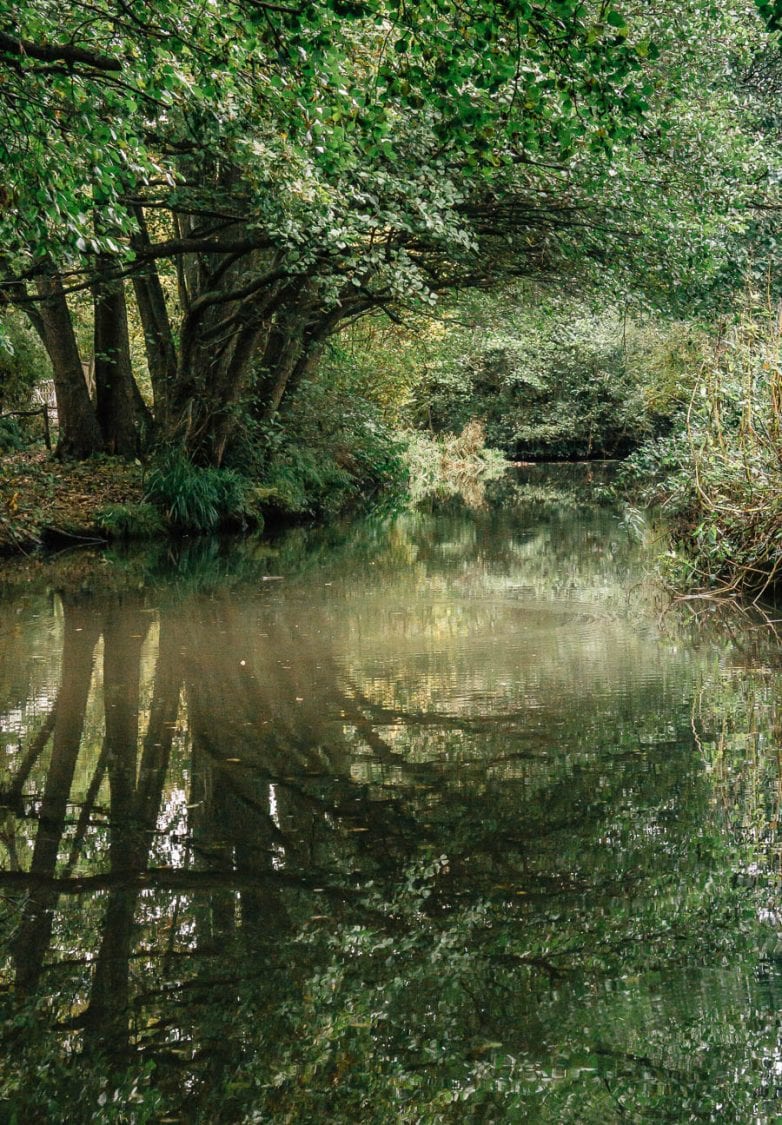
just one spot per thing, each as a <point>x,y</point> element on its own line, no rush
<point>23,361</point>
<point>302,482</point>
<point>548,378</point>
<point>196,499</point>
<point>771,11</point>
<point>452,464</point>
<point>543,377</point>
<point>85,121</point>
<point>130,521</point>
<point>11,438</point>
<point>663,358</point>
<point>323,455</point>
<point>383,363</point>
<point>720,475</point>
<point>381,136</point>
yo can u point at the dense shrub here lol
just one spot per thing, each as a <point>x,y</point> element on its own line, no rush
<point>324,454</point>
<point>11,437</point>
<point>23,361</point>
<point>23,366</point>
<point>549,377</point>
<point>382,363</point>
<point>573,385</point>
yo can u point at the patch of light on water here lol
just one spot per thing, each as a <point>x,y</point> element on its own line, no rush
<point>278,851</point>
<point>17,719</point>
<point>172,826</point>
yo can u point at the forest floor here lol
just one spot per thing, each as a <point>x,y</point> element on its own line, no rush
<point>47,501</point>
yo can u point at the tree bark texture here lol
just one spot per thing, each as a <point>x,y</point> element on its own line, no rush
<point>79,432</point>
<point>156,325</point>
<point>116,403</point>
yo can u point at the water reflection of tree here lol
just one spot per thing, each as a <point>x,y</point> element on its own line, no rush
<point>64,726</point>
<point>296,786</point>
<point>136,789</point>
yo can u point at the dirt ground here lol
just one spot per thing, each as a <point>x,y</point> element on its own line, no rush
<point>44,500</point>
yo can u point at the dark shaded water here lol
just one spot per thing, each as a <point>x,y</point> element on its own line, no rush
<point>430,819</point>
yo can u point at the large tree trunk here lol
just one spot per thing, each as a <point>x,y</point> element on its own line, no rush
<point>224,329</point>
<point>245,314</point>
<point>79,432</point>
<point>117,399</point>
<point>292,357</point>
<point>156,324</point>
<point>285,351</point>
<point>205,412</point>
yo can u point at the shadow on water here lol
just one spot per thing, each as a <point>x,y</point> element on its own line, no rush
<point>420,819</point>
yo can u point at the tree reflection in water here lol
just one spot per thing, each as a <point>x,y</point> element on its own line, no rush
<point>430,830</point>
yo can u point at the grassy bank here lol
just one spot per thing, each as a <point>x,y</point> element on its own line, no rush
<point>48,503</point>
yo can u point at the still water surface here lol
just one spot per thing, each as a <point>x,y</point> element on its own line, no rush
<point>431,818</point>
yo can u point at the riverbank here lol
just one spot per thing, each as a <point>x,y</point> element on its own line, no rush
<point>717,476</point>
<point>43,501</point>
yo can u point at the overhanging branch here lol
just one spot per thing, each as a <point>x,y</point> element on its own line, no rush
<point>20,49</point>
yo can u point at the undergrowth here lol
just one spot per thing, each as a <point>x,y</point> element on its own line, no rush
<point>200,500</point>
<point>719,479</point>
<point>320,457</point>
<point>130,521</point>
<point>449,464</point>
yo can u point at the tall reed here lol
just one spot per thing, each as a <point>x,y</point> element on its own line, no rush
<point>734,467</point>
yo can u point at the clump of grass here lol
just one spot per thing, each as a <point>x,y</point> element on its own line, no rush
<point>451,464</point>
<point>199,500</point>
<point>297,482</point>
<point>130,521</point>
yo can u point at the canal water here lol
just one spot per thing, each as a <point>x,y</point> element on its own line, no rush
<point>445,816</point>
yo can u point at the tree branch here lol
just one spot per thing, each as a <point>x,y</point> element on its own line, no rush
<point>54,53</point>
